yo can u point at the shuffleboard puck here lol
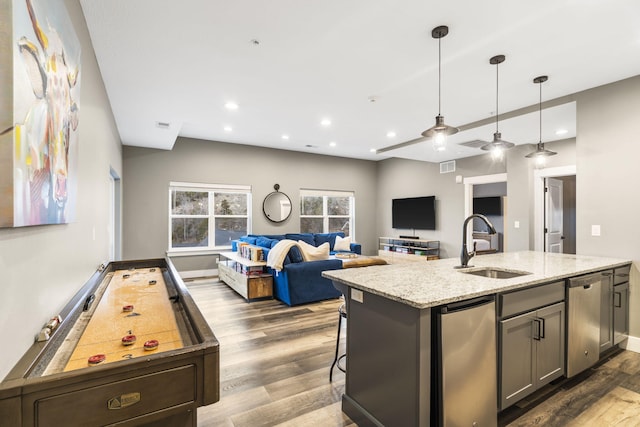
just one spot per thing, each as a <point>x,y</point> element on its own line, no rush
<point>151,345</point>
<point>96,359</point>
<point>127,308</point>
<point>128,339</point>
<point>153,282</point>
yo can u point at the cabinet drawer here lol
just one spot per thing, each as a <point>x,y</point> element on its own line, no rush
<point>621,275</point>
<point>120,400</point>
<point>516,302</point>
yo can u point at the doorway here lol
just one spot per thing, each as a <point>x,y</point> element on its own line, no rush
<point>473,185</point>
<point>555,210</point>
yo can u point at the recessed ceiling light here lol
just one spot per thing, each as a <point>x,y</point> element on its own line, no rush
<point>332,144</point>
<point>231,106</point>
<point>285,137</point>
<point>325,122</point>
<point>391,134</point>
<point>561,132</point>
<point>373,150</point>
<point>228,128</point>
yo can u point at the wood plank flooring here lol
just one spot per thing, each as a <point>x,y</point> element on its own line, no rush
<point>275,360</point>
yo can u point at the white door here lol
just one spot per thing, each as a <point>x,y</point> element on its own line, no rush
<point>553,215</point>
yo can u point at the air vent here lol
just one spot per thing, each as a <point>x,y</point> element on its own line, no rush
<point>476,143</point>
<point>447,167</point>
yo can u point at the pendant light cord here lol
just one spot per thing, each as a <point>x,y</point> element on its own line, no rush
<point>540,108</point>
<point>439,73</point>
<point>497,89</point>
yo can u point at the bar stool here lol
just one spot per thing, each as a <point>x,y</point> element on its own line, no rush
<point>342,312</point>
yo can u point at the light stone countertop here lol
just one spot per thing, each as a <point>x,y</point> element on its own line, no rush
<point>432,283</point>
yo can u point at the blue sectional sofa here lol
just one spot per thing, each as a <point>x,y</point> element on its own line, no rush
<point>301,281</point>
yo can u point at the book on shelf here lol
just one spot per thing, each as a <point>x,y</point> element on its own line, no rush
<point>253,253</point>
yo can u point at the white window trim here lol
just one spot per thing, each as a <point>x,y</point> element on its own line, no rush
<point>216,188</point>
<point>325,216</point>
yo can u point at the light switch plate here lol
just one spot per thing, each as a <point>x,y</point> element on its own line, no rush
<point>595,230</point>
<point>516,224</point>
<point>357,295</point>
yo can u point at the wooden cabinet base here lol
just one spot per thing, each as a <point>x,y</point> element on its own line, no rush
<point>251,288</point>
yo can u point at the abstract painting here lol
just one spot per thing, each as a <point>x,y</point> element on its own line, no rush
<point>40,184</point>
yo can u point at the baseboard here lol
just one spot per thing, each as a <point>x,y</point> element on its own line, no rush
<point>196,274</point>
<point>631,344</point>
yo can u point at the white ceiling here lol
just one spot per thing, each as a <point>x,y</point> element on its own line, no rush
<point>179,62</point>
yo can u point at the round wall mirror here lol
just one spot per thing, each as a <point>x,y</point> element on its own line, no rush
<point>276,206</point>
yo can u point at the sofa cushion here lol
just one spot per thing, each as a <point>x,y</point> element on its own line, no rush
<point>312,253</point>
<point>342,244</point>
<point>265,242</point>
<point>249,239</point>
<point>305,237</point>
<point>321,238</point>
<point>295,255</point>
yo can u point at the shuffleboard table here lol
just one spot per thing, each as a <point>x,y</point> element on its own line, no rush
<point>131,349</point>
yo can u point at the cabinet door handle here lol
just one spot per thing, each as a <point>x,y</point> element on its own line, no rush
<point>542,328</point>
<point>619,303</point>
<point>537,329</point>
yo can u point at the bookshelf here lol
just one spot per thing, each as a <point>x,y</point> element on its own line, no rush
<point>246,277</point>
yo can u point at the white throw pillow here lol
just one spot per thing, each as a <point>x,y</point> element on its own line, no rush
<point>312,253</point>
<point>342,244</point>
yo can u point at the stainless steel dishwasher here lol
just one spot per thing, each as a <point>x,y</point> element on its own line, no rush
<point>465,369</point>
<point>583,321</point>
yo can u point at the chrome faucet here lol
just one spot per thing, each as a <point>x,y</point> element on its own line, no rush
<point>465,256</point>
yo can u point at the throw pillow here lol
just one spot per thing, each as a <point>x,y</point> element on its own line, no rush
<point>312,253</point>
<point>342,244</point>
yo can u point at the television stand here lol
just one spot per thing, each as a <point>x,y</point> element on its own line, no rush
<point>395,250</point>
<point>410,237</point>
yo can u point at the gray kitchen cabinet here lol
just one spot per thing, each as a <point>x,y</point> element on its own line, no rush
<point>621,305</point>
<point>614,309</point>
<point>606,315</point>
<point>532,348</point>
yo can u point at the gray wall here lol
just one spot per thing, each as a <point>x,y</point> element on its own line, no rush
<point>399,178</point>
<point>44,266</point>
<point>608,154</point>
<point>520,171</point>
<point>148,173</point>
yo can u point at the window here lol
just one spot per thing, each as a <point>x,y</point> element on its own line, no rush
<point>203,217</point>
<point>327,212</point>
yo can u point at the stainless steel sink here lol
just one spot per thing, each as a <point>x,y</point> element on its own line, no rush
<point>495,273</point>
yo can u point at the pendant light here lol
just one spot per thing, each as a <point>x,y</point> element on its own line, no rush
<point>498,145</point>
<point>540,153</point>
<point>440,131</point>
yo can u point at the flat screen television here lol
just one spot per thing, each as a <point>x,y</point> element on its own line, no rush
<point>417,213</point>
<point>487,205</point>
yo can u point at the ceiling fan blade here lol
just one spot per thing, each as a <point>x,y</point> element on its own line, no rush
<point>401,145</point>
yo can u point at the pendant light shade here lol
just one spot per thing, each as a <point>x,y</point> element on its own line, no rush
<point>540,152</point>
<point>440,131</point>
<point>498,145</point>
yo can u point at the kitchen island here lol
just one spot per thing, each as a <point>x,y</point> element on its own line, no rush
<point>393,354</point>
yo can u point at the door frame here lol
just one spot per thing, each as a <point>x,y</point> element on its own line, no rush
<point>469,182</point>
<point>538,199</point>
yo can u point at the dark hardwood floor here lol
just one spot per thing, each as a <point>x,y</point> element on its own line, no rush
<point>275,359</point>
